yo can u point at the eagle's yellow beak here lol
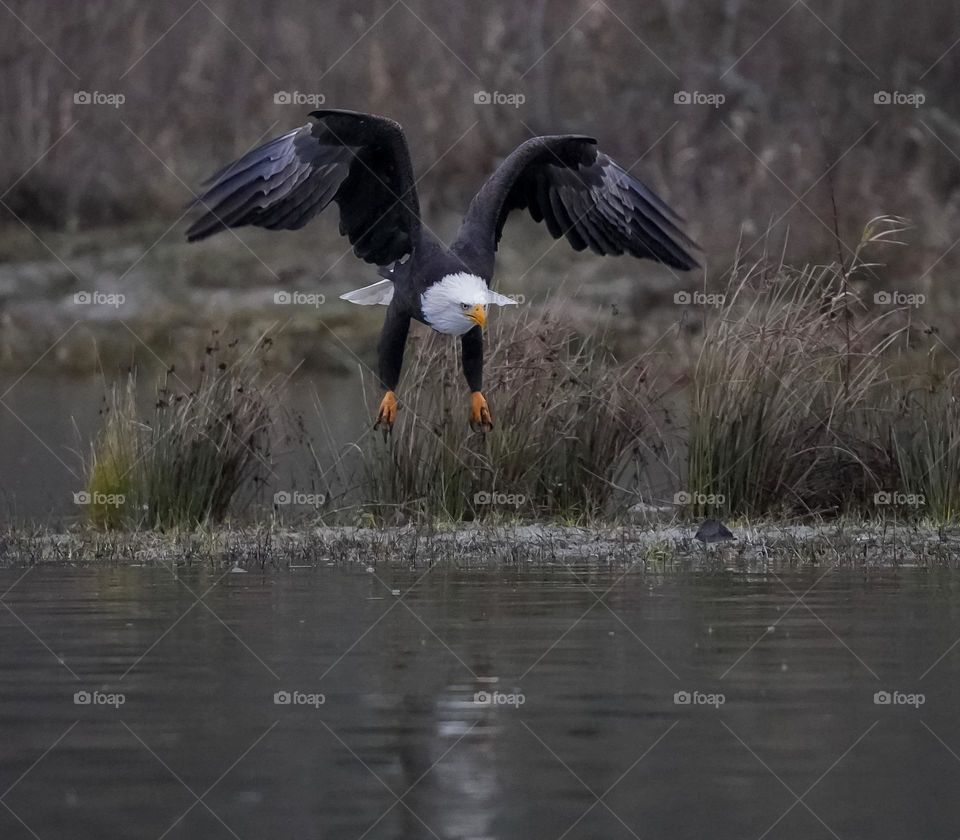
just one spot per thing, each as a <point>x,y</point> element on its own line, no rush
<point>478,314</point>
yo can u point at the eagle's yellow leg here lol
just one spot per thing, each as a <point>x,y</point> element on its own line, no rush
<point>387,415</point>
<point>480,417</point>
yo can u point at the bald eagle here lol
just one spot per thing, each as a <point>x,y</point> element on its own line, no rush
<point>362,162</point>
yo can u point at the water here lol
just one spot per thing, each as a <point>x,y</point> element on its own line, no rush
<point>400,748</point>
<point>48,421</point>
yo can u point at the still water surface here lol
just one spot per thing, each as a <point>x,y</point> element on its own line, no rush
<point>586,739</point>
<point>49,422</point>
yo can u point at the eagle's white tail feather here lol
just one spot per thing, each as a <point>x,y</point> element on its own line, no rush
<point>380,292</point>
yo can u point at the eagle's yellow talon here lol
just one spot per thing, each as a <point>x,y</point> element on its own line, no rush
<point>480,417</point>
<point>387,415</point>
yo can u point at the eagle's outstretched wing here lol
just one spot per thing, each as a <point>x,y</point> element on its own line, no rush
<point>581,194</point>
<point>359,161</point>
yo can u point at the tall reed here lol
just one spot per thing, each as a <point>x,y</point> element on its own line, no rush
<point>196,453</point>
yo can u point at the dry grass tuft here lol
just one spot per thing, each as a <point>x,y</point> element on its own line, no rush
<point>790,394</point>
<point>197,453</point>
<point>575,427</point>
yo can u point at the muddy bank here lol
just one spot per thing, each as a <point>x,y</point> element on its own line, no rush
<point>659,548</point>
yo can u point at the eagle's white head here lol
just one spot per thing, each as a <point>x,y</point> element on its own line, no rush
<point>456,303</point>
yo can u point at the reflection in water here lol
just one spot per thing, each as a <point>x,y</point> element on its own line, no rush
<point>469,767</point>
<point>417,705</point>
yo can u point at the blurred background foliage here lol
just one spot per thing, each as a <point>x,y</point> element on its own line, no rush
<point>786,171</point>
<point>799,81</point>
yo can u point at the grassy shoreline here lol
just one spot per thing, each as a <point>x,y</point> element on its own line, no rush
<point>764,547</point>
<point>795,399</point>
<point>801,401</point>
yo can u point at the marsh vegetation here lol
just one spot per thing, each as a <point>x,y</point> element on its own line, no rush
<point>801,400</point>
<point>801,395</point>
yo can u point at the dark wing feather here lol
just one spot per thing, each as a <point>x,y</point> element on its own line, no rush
<point>581,194</point>
<point>357,160</point>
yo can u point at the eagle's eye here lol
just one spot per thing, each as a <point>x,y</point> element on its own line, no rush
<point>464,306</point>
